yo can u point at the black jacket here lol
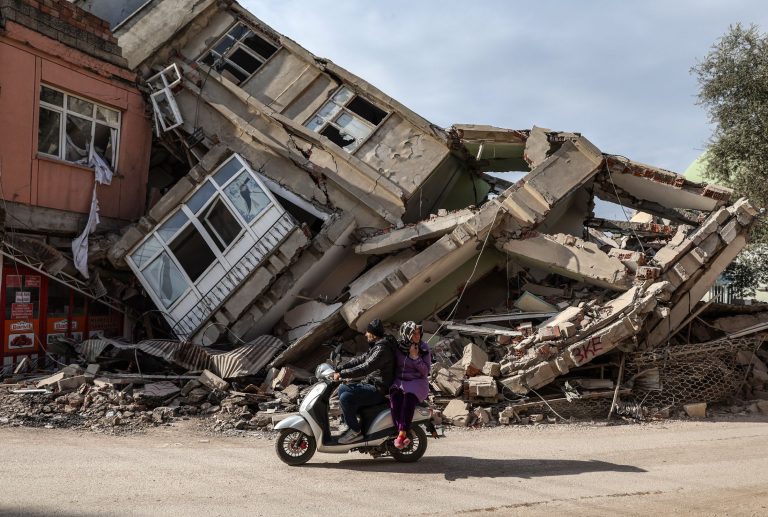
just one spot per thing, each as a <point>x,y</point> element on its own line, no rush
<point>377,364</point>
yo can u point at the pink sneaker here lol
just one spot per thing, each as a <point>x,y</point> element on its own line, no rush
<point>399,442</point>
<point>406,442</point>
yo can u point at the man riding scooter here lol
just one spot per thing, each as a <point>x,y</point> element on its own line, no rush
<point>378,365</point>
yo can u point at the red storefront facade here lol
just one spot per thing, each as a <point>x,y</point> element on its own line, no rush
<point>38,310</point>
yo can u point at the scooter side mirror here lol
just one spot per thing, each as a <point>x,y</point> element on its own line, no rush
<point>335,357</point>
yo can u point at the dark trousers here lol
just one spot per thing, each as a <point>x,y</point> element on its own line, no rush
<point>402,406</point>
<point>354,396</point>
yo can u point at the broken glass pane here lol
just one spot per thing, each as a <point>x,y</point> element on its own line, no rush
<point>343,95</point>
<point>228,170</point>
<point>165,278</point>
<point>107,115</point>
<point>169,228</point>
<point>337,137</point>
<point>51,96</point>
<point>353,126</point>
<point>201,197</point>
<point>260,45</point>
<point>246,196</point>
<point>146,251</point>
<point>80,106</point>
<point>48,132</point>
<point>104,143</point>
<point>192,252</point>
<point>78,139</point>
<point>245,60</point>
<point>222,225</point>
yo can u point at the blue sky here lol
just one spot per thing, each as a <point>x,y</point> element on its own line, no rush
<point>616,71</point>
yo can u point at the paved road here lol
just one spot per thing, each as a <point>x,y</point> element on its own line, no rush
<point>670,468</point>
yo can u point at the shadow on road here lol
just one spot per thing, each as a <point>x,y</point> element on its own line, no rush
<point>463,467</point>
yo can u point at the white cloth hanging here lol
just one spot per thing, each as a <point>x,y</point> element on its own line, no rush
<point>102,176</point>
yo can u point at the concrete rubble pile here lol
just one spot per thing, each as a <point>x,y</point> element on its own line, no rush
<point>123,402</point>
<point>290,203</point>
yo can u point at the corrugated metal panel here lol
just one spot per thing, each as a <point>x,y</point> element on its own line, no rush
<point>186,355</point>
<point>90,349</point>
<point>247,359</point>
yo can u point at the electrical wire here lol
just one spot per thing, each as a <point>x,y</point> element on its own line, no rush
<point>623,209</point>
<point>466,284</point>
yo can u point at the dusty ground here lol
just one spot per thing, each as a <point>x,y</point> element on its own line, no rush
<point>667,468</point>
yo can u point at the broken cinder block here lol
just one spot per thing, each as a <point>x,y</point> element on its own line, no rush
<point>213,381</point>
<point>473,359</point>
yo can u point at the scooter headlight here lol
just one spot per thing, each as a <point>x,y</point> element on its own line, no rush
<point>323,370</point>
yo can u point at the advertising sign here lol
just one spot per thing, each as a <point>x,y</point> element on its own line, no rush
<point>21,311</point>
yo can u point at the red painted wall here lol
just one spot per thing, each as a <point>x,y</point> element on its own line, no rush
<point>28,59</point>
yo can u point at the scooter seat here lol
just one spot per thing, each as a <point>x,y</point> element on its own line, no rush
<point>368,413</point>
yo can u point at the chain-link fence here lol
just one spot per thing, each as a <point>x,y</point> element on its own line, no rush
<point>668,378</point>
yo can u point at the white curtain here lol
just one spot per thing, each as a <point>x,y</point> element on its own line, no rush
<point>102,176</point>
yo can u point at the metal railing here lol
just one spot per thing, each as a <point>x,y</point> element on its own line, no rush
<point>188,324</point>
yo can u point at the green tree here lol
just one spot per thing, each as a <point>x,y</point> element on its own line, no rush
<point>733,80</point>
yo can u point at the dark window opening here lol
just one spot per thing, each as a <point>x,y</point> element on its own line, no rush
<point>260,45</point>
<point>48,132</point>
<point>335,136</point>
<point>192,252</point>
<point>222,225</point>
<point>233,72</point>
<point>366,110</point>
<point>245,60</point>
<point>315,223</point>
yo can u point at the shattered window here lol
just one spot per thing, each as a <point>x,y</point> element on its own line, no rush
<point>346,119</point>
<point>239,53</point>
<point>165,279</point>
<point>70,127</point>
<point>48,132</point>
<point>247,197</point>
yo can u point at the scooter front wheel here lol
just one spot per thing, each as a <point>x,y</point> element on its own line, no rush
<point>415,449</point>
<point>294,447</point>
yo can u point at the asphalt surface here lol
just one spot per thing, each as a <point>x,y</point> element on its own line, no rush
<point>668,468</point>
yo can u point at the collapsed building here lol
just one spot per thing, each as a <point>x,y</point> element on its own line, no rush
<point>289,203</point>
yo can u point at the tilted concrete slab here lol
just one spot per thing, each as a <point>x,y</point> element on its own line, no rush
<point>664,187</point>
<point>568,256</point>
<point>432,228</point>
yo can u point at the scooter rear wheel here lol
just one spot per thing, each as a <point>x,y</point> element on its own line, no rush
<point>415,449</point>
<point>294,447</point>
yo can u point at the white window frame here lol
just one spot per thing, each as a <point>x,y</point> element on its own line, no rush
<point>196,218</point>
<point>332,120</point>
<point>161,84</point>
<point>64,111</point>
<point>239,45</point>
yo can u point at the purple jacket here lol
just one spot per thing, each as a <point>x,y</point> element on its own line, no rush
<point>411,374</point>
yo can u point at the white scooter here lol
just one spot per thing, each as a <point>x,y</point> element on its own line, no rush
<point>302,434</point>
